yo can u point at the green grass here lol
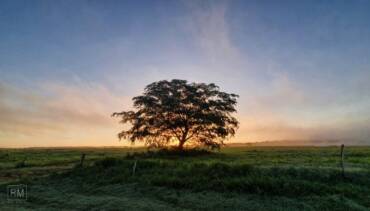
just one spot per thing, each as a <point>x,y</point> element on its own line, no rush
<point>236,178</point>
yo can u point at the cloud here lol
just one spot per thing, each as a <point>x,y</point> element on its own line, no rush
<point>64,112</point>
<point>287,111</point>
<point>265,128</point>
<point>210,30</point>
<point>280,93</point>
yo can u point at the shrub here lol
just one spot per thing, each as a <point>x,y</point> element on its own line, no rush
<point>21,164</point>
<point>107,162</point>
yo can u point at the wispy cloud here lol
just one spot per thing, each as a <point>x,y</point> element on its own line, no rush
<point>288,111</point>
<point>63,112</point>
<point>211,31</point>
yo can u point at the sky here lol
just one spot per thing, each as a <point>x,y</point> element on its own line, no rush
<point>301,68</point>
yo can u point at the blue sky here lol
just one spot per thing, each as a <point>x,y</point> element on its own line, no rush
<point>301,67</point>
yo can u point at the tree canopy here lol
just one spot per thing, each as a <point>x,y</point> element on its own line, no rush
<point>178,112</point>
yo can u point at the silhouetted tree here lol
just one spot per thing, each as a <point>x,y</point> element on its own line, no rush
<point>180,112</point>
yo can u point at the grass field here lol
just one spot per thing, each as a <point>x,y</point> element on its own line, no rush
<point>236,178</point>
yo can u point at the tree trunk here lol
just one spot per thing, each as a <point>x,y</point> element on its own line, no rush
<point>183,139</point>
<point>181,145</point>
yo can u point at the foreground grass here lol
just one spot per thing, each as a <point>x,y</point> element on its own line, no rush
<point>243,178</point>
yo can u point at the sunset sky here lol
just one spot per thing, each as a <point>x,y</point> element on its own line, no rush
<point>301,68</point>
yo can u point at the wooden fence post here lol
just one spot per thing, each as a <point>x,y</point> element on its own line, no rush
<point>82,159</point>
<point>342,159</point>
<point>134,168</point>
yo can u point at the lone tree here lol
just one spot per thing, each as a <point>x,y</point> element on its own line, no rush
<point>180,112</point>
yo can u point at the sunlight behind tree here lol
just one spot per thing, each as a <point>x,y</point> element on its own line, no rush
<point>180,112</point>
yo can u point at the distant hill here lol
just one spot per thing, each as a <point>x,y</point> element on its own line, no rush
<point>301,143</point>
